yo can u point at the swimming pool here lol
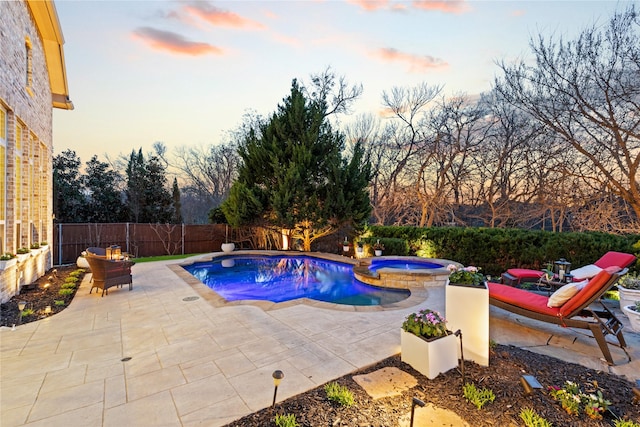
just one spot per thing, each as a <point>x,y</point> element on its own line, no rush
<point>285,278</point>
<point>403,264</point>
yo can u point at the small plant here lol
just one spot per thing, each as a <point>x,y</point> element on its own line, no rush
<point>630,281</point>
<point>76,273</point>
<point>286,420</point>
<point>44,243</point>
<point>58,302</point>
<point>71,279</point>
<point>23,251</point>
<point>479,397</point>
<point>572,399</point>
<point>65,292</point>
<point>625,423</point>
<point>426,323</point>
<point>532,419</point>
<point>465,275</point>
<point>68,285</point>
<point>339,394</point>
<point>27,312</point>
<point>378,246</point>
<point>7,256</point>
<point>35,245</point>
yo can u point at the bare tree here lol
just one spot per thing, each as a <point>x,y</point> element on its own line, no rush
<point>587,91</point>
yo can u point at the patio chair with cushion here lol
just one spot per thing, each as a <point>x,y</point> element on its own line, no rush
<point>516,276</point>
<point>108,273</point>
<point>569,306</point>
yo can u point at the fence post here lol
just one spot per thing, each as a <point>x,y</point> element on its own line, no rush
<point>182,239</point>
<point>59,243</point>
<point>127,238</point>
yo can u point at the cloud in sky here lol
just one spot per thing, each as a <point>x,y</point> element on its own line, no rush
<point>417,63</point>
<point>371,4</point>
<point>446,6</point>
<point>173,42</point>
<point>219,17</point>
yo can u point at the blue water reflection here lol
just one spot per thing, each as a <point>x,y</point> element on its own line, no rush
<point>285,278</point>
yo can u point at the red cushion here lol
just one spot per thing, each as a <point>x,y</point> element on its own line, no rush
<point>612,258</point>
<point>592,288</point>
<point>525,273</point>
<point>521,298</point>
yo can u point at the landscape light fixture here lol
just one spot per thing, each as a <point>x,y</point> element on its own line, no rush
<point>21,306</point>
<point>529,383</point>
<point>277,377</point>
<point>458,333</point>
<point>47,310</point>
<point>415,401</point>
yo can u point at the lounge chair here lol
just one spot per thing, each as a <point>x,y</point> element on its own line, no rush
<point>516,276</point>
<point>107,273</point>
<point>574,313</point>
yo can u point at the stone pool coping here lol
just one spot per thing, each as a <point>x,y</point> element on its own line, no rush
<point>407,280</point>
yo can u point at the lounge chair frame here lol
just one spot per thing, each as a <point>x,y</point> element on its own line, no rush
<point>600,320</point>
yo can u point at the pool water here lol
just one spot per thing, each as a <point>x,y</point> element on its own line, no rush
<point>285,278</point>
<point>377,264</point>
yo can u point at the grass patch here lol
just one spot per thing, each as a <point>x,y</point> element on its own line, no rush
<point>163,258</point>
<point>339,394</point>
<point>58,302</point>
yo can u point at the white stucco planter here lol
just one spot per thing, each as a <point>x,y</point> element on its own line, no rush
<point>6,264</point>
<point>228,247</point>
<point>23,257</point>
<point>430,358</point>
<point>634,317</point>
<point>628,296</point>
<point>378,252</point>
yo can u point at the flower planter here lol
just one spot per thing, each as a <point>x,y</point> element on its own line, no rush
<point>430,358</point>
<point>345,248</point>
<point>378,252</point>
<point>628,296</point>
<point>6,264</point>
<point>634,317</point>
<point>228,247</point>
<point>23,257</point>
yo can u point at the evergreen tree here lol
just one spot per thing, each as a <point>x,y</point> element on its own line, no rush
<point>104,199</point>
<point>294,177</point>
<point>68,198</point>
<point>147,198</point>
<point>177,206</point>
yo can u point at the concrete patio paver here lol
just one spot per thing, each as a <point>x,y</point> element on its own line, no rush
<point>193,362</point>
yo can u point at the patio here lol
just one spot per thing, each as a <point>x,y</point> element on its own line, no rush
<point>195,362</point>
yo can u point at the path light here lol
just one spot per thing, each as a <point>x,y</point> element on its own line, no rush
<point>458,333</point>
<point>529,383</point>
<point>415,402</point>
<point>277,377</point>
<point>21,306</point>
<point>47,310</point>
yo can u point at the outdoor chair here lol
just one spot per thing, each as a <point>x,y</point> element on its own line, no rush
<point>516,276</point>
<point>576,312</point>
<point>108,273</point>
<point>99,252</point>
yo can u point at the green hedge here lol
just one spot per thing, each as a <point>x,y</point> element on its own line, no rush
<point>497,249</point>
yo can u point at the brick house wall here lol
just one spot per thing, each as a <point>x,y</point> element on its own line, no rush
<point>26,101</point>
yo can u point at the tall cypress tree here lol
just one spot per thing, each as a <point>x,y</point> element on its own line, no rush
<point>294,177</point>
<point>148,200</point>
<point>177,206</point>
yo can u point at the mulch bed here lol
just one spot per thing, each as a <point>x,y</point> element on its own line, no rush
<point>506,365</point>
<point>38,297</point>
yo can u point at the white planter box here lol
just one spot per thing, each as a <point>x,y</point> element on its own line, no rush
<point>378,252</point>
<point>228,247</point>
<point>23,257</point>
<point>430,358</point>
<point>634,317</point>
<point>6,264</point>
<point>628,296</point>
<point>467,309</point>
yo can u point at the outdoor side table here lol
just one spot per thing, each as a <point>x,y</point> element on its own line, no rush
<point>467,309</point>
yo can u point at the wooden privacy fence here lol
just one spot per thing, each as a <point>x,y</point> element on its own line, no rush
<point>139,240</point>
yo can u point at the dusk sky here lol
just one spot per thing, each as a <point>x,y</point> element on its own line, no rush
<point>185,72</point>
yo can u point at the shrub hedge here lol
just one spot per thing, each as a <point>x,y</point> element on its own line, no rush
<point>497,249</point>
